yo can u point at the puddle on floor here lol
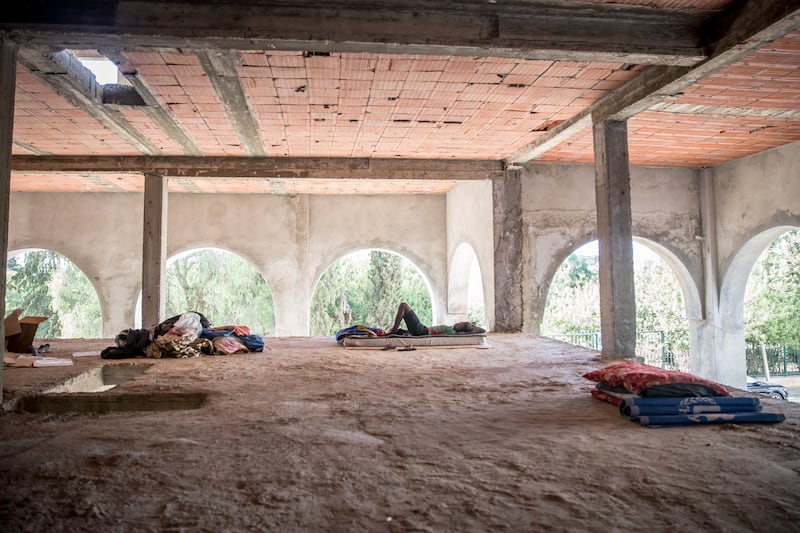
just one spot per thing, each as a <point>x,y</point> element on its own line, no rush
<point>100,379</point>
<point>84,394</point>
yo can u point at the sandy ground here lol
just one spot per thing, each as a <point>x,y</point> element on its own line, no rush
<point>309,436</point>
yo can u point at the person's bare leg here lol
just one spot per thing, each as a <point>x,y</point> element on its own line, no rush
<point>402,309</point>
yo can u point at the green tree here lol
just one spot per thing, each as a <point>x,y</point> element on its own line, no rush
<point>76,301</point>
<point>28,287</point>
<point>224,287</point>
<point>365,288</point>
<point>573,302</point>
<point>45,283</point>
<point>330,305</point>
<point>772,296</point>
<point>385,277</point>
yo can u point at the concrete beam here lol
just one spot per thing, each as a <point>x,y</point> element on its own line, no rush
<point>615,237</point>
<point>727,111</point>
<point>747,31</point>
<point>748,25</point>
<point>268,167</point>
<point>31,148</point>
<point>541,30</point>
<point>220,67</point>
<point>154,109</point>
<point>8,74</point>
<point>80,88</point>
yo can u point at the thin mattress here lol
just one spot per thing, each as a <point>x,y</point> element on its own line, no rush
<point>422,340</point>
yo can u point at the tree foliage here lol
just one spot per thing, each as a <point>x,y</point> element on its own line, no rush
<point>573,302</point>
<point>366,288</point>
<point>45,283</point>
<point>226,288</point>
<point>772,296</point>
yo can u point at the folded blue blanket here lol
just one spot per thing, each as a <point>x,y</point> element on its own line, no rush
<point>711,418</point>
<point>633,407</point>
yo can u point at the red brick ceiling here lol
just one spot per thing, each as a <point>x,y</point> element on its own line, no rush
<point>371,105</point>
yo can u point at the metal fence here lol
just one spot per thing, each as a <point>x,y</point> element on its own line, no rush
<point>782,360</point>
<point>668,349</point>
<point>587,340</point>
<point>665,349</point>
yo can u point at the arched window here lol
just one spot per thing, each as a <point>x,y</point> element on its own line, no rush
<point>465,294</point>
<point>772,309</point>
<point>46,283</point>
<point>365,287</point>
<point>572,311</point>
<point>221,285</point>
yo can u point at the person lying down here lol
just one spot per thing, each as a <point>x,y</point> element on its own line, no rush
<point>416,328</point>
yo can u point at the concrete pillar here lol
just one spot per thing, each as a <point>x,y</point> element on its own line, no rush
<point>8,76</point>
<point>154,250</point>
<point>703,362</point>
<point>291,293</point>
<point>613,199</point>
<point>508,247</point>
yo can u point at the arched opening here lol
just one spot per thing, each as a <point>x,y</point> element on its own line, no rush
<point>365,287</point>
<point>771,304</point>
<point>221,285</point>
<point>46,283</point>
<point>665,297</point>
<point>465,296</point>
<point>731,365</point>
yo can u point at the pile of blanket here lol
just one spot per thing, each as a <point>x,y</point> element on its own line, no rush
<point>358,331</point>
<point>185,335</point>
<point>656,397</point>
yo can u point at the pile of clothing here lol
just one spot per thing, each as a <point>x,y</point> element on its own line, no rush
<point>185,335</point>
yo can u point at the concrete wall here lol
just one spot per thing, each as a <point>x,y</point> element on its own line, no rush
<point>559,216</point>
<point>101,233</point>
<point>757,199</point>
<point>290,240</point>
<point>469,238</point>
<point>410,226</point>
<point>293,239</point>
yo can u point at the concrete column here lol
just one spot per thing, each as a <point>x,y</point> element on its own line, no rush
<point>154,250</point>
<point>8,76</point>
<point>704,361</point>
<point>291,295</point>
<point>508,247</point>
<point>613,199</point>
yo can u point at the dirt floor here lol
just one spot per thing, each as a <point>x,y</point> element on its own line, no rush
<point>308,436</point>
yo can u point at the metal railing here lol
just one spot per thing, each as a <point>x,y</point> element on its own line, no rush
<point>656,348</point>
<point>782,360</point>
<point>587,340</point>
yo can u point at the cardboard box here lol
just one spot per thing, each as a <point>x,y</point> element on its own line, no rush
<point>25,329</point>
<point>11,323</point>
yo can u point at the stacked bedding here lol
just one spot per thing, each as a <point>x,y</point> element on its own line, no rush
<point>656,397</point>
<point>657,412</point>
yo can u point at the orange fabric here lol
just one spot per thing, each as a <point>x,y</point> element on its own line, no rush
<point>237,330</point>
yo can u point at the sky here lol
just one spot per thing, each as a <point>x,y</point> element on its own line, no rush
<point>104,71</point>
